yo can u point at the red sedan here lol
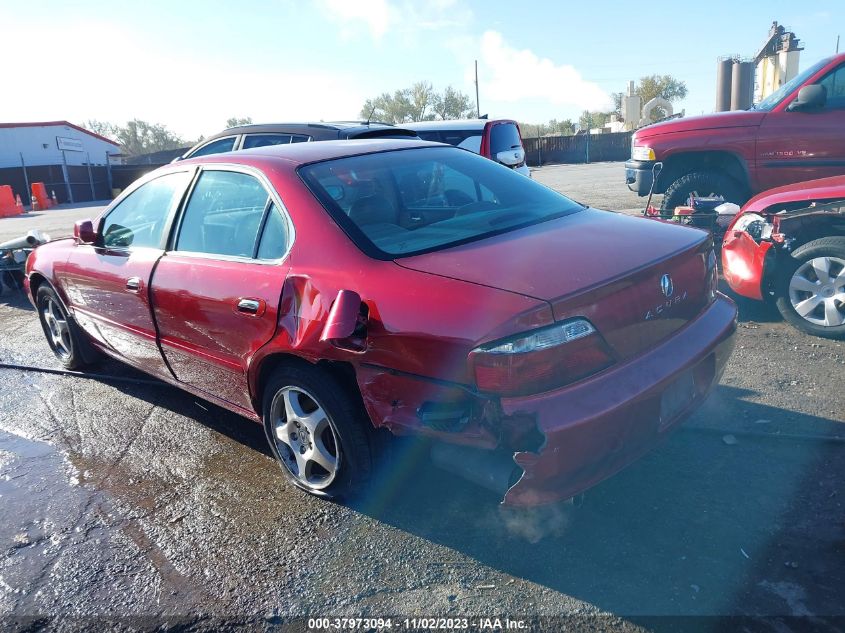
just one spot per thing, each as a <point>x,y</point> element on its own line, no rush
<point>788,244</point>
<point>328,289</point>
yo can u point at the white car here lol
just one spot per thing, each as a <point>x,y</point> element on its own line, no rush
<point>497,139</point>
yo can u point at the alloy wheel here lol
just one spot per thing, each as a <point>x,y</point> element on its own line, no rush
<point>817,291</point>
<point>58,330</point>
<point>305,438</point>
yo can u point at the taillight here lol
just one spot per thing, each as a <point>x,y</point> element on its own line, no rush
<point>540,360</point>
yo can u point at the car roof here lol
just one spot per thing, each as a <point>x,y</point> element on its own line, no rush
<point>310,128</point>
<point>303,153</point>
<point>459,124</point>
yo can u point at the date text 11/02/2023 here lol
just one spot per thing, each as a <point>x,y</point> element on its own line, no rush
<point>414,624</point>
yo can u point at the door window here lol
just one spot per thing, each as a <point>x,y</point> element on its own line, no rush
<point>223,215</point>
<point>834,83</point>
<point>140,218</point>
<point>274,236</point>
<point>216,147</point>
<point>265,140</point>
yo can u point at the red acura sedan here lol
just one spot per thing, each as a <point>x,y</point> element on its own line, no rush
<point>329,289</point>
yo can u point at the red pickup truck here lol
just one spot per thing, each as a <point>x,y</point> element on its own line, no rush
<point>797,133</point>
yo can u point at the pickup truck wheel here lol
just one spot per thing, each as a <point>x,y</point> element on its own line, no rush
<point>316,432</point>
<point>810,291</point>
<point>62,333</point>
<point>701,183</point>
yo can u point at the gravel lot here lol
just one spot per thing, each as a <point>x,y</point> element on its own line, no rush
<point>126,498</point>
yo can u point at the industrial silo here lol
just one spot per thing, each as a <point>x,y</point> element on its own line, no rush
<point>724,68</point>
<point>742,84</point>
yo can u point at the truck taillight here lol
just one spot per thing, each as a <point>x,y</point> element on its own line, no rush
<point>540,360</point>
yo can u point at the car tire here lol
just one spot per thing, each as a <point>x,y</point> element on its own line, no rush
<point>62,333</point>
<point>810,292</point>
<point>701,183</point>
<point>318,433</point>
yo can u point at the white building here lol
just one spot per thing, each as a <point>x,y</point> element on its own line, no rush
<point>72,162</point>
<point>43,144</point>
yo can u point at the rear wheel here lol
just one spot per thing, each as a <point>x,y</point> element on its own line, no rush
<point>316,431</point>
<point>701,184</point>
<point>61,331</point>
<point>810,291</point>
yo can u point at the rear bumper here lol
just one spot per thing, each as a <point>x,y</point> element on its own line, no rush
<point>601,425</point>
<point>638,175</point>
<point>744,263</point>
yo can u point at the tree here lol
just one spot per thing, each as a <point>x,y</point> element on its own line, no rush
<point>139,137</point>
<point>102,128</point>
<point>589,120</point>
<point>452,104</point>
<point>235,121</point>
<point>418,103</point>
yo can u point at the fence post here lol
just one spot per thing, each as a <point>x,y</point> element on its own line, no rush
<point>67,178</point>
<point>108,174</point>
<point>28,193</point>
<point>90,177</point>
<point>539,148</point>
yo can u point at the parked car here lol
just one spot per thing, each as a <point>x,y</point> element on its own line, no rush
<point>330,289</point>
<point>788,244</point>
<point>266,134</point>
<point>498,139</point>
<point>797,133</point>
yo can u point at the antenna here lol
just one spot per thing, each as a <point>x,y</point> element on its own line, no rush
<point>371,115</point>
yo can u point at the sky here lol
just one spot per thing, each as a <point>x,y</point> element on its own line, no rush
<point>191,65</point>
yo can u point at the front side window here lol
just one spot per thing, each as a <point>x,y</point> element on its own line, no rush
<point>223,215</point>
<point>216,147</point>
<point>375,199</point>
<point>139,219</point>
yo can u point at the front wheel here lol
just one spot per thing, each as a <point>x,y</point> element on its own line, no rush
<point>62,333</point>
<point>317,432</point>
<point>810,292</point>
<point>701,184</point>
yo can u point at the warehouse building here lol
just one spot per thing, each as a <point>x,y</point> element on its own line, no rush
<point>71,161</point>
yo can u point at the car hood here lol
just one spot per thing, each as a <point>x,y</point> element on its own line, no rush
<point>737,118</point>
<point>821,189</point>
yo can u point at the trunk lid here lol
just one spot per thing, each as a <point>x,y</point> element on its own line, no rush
<point>603,266</point>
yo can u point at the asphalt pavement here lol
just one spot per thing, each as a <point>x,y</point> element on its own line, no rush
<point>127,499</point>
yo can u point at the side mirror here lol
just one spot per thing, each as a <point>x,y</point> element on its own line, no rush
<point>84,232</point>
<point>343,316</point>
<point>809,97</point>
<point>511,157</point>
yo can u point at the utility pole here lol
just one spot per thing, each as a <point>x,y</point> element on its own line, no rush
<point>837,50</point>
<point>478,107</point>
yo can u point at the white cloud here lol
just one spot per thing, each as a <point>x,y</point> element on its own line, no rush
<point>190,95</point>
<point>513,75</point>
<point>375,15</point>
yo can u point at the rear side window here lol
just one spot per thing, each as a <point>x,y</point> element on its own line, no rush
<point>265,140</point>
<point>274,236</point>
<point>223,215</point>
<point>504,136</point>
<point>216,147</point>
<point>140,218</point>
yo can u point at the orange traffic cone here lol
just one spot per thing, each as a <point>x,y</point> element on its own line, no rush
<point>55,200</point>
<point>19,205</point>
<point>35,206</point>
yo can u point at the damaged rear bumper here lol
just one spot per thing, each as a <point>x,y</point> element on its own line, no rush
<point>597,427</point>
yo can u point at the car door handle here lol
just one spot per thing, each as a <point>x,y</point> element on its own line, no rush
<point>133,284</point>
<point>251,307</point>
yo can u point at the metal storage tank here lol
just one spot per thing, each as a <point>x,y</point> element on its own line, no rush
<point>723,84</point>
<point>742,85</point>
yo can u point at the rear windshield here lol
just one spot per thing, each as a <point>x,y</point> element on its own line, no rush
<point>504,136</point>
<point>405,202</point>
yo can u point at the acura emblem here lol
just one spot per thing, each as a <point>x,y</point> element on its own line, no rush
<point>666,286</point>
